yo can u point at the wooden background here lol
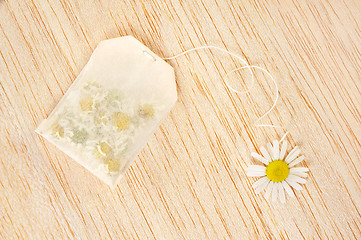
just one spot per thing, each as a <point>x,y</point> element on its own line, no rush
<point>189,181</point>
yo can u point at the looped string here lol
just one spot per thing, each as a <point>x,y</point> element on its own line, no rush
<point>226,76</point>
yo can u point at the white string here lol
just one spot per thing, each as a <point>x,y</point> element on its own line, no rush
<point>235,90</point>
<point>284,136</point>
<point>224,51</point>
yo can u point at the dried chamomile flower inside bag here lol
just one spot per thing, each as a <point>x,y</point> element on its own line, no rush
<point>112,108</point>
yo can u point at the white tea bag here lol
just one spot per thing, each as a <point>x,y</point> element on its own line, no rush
<point>112,108</point>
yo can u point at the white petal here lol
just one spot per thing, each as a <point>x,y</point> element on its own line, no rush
<point>294,184</point>
<point>298,172</point>
<point>296,161</point>
<point>276,149</point>
<point>275,192</point>
<point>283,150</point>
<point>259,182</point>
<point>255,174</point>
<point>261,187</point>
<point>293,154</point>
<point>252,173</point>
<point>269,190</point>
<point>288,189</point>
<point>282,193</point>
<point>260,158</point>
<point>270,150</point>
<point>300,169</point>
<point>256,168</point>
<point>296,179</point>
<point>265,154</point>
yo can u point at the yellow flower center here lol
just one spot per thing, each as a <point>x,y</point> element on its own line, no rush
<point>121,121</point>
<point>146,111</point>
<point>86,104</point>
<point>105,148</point>
<point>113,165</point>
<point>277,171</point>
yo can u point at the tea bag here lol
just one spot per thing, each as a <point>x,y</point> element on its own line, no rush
<point>112,108</point>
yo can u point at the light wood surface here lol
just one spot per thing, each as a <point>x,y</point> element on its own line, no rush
<point>189,181</point>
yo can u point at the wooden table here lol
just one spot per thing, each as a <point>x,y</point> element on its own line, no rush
<point>189,181</point>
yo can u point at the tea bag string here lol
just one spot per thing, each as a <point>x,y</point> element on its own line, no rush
<point>226,76</point>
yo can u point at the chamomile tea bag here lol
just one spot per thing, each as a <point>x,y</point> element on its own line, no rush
<point>112,108</point>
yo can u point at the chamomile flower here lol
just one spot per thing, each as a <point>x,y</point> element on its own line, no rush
<point>279,174</point>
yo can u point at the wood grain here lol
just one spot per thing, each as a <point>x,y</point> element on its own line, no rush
<point>189,181</point>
